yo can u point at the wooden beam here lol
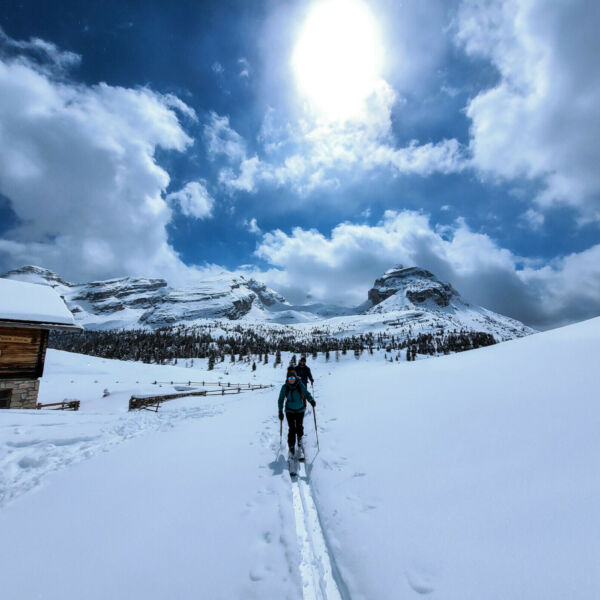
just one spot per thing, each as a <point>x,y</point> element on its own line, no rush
<point>39,325</point>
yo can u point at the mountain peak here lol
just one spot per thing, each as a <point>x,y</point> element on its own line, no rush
<point>410,287</point>
<point>35,274</point>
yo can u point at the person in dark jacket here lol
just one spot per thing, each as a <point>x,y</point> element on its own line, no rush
<point>295,394</point>
<point>303,371</point>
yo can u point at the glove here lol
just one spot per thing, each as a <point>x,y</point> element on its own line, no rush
<point>281,415</point>
<point>313,403</point>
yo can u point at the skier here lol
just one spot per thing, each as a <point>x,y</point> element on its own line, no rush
<point>295,394</point>
<point>303,371</point>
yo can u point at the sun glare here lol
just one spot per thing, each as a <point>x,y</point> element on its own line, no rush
<point>338,58</point>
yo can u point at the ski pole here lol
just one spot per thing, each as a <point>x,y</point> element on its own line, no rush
<point>316,430</point>
<point>280,433</point>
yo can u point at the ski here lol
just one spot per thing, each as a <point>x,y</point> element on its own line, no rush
<point>293,466</point>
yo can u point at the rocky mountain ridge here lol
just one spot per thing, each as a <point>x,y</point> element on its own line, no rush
<point>405,299</point>
<point>409,286</point>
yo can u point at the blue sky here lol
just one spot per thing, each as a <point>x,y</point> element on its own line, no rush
<point>309,144</point>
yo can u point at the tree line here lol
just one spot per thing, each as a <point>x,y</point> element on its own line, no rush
<point>164,345</point>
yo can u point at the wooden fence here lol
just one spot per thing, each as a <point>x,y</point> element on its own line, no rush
<point>153,402</point>
<point>65,405</point>
<point>226,384</point>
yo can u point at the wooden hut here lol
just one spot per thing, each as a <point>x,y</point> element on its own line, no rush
<point>27,313</point>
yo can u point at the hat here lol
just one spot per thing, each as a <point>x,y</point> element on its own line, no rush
<point>291,372</point>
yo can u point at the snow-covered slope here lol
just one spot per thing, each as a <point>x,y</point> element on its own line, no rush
<point>403,302</point>
<point>137,302</point>
<point>472,476</point>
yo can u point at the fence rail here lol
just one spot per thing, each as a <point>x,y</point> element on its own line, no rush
<point>153,402</point>
<point>206,383</point>
<point>66,405</point>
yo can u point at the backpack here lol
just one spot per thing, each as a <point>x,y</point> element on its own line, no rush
<point>289,390</point>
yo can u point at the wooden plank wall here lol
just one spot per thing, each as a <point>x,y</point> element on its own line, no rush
<point>22,352</point>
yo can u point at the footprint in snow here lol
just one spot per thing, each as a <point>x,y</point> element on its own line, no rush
<point>32,462</point>
<point>421,580</point>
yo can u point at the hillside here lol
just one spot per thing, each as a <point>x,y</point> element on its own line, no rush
<point>468,476</point>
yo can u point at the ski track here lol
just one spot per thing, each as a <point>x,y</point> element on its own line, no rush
<point>51,443</point>
<point>318,581</point>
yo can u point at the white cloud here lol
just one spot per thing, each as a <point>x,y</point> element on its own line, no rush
<point>77,165</point>
<point>222,140</point>
<point>244,67</point>
<point>312,153</point>
<point>342,266</point>
<point>249,171</point>
<point>193,200</point>
<point>541,120</point>
<point>569,287</point>
<point>37,53</point>
<point>252,226</point>
<point>533,219</point>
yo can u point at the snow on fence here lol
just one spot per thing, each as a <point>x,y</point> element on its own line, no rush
<point>153,402</point>
<point>207,383</point>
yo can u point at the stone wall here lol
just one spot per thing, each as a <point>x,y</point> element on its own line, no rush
<point>24,392</point>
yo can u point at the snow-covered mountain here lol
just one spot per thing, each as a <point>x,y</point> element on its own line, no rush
<point>403,288</point>
<point>140,302</point>
<point>404,301</point>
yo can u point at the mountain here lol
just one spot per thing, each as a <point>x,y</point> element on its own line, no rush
<point>417,298</point>
<point>403,301</point>
<point>403,288</point>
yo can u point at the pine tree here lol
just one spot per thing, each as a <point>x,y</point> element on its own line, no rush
<point>211,362</point>
<point>254,366</point>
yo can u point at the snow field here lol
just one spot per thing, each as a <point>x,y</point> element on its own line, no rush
<point>464,477</point>
<point>189,511</point>
<point>468,476</point>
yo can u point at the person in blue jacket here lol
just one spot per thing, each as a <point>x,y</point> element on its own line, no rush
<point>295,394</point>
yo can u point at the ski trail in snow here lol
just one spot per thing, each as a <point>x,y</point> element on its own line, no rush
<point>318,582</point>
<point>47,442</point>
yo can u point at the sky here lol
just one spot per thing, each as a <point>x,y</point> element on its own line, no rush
<point>312,145</point>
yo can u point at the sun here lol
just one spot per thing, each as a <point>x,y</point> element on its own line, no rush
<point>338,58</point>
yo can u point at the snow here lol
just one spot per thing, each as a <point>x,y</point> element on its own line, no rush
<point>462,477</point>
<point>21,301</point>
<point>236,301</point>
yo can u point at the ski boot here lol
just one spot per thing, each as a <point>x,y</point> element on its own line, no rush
<point>292,463</point>
<point>300,450</point>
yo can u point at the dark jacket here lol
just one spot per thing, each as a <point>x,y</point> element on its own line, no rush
<point>304,373</point>
<point>292,394</point>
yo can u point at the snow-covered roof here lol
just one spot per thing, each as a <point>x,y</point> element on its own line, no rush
<point>33,303</point>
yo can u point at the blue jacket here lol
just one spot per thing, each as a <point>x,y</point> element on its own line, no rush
<point>293,396</point>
